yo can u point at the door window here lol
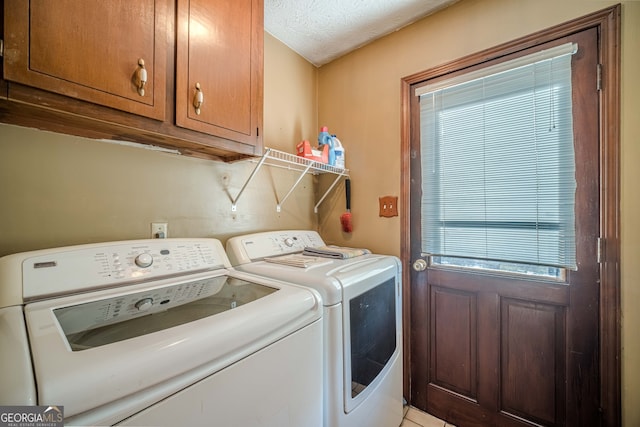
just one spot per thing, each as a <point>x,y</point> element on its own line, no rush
<point>498,167</point>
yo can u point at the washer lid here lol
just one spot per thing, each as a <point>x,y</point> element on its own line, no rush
<point>97,323</point>
<point>97,371</point>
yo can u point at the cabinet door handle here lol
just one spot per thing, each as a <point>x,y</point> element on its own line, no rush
<point>142,77</point>
<point>198,99</point>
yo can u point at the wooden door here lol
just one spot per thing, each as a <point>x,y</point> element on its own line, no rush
<point>505,350</point>
<point>90,50</point>
<point>219,58</point>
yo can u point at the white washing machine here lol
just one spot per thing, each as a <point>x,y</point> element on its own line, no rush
<point>158,332</point>
<point>362,321</point>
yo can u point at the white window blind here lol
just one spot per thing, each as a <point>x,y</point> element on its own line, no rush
<point>498,169</point>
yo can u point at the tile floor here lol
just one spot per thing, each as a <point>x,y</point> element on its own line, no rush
<point>416,418</point>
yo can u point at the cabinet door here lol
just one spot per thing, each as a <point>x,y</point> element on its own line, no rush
<point>220,54</point>
<point>90,50</point>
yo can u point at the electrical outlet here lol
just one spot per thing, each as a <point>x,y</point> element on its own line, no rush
<point>159,230</point>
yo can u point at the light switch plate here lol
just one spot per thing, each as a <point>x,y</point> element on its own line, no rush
<point>388,206</point>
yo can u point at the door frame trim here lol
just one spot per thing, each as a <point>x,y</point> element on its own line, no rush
<point>608,23</point>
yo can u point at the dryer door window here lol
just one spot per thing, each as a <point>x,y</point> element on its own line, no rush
<point>373,334</point>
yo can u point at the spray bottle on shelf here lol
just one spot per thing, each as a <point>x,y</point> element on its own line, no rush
<point>324,138</point>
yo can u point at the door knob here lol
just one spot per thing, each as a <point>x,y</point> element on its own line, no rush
<point>420,265</point>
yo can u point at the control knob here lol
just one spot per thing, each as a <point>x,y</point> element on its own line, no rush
<point>288,241</point>
<point>144,260</point>
<point>144,304</point>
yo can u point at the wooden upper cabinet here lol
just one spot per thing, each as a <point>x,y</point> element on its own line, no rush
<point>75,66</point>
<point>219,59</point>
<point>91,50</point>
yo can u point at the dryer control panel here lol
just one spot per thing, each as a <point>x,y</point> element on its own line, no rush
<point>254,247</point>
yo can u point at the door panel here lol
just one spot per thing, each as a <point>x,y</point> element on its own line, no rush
<point>531,337</point>
<point>219,55</point>
<point>514,350</point>
<point>93,51</point>
<point>453,338</point>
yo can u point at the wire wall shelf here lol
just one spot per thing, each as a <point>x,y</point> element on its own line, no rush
<point>281,159</point>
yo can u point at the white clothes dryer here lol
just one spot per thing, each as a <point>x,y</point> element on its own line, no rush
<point>362,321</point>
<point>158,332</point>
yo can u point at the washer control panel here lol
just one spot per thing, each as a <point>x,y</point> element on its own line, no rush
<point>254,247</point>
<point>80,268</point>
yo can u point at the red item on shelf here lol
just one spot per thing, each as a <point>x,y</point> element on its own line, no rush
<point>303,149</point>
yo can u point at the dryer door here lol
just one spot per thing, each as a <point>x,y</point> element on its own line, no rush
<point>372,325</point>
<point>372,328</point>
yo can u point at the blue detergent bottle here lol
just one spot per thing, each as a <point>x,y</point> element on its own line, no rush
<point>324,138</point>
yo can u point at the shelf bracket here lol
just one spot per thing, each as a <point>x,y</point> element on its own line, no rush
<point>326,193</point>
<point>304,172</point>
<point>253,174</point>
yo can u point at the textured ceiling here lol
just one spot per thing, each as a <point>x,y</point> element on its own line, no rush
<point>323,30</point>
